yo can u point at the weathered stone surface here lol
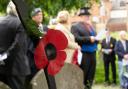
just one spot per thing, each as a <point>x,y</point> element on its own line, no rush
<point>4,86</point>
<point>70,77</point>
<point>39,81</point>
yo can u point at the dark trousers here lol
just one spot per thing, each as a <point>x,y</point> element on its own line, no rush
<point>107,61</point>
<point>88,66</point>
<point>14,82</point>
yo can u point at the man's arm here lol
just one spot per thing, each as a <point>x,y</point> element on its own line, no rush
<point>117,50</point>
<point>80,39</point>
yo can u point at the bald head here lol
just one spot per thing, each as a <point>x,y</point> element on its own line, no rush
<point>122,35</point>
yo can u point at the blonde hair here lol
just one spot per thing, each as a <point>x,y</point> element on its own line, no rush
<point>63,16</point>
<point>11,8</point>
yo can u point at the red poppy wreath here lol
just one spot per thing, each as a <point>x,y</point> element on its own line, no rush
<point>50,52</point>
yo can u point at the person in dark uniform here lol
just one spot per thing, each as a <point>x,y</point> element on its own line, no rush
<point>109,57</point>
<point>85,36</point>
<point>14,65</point>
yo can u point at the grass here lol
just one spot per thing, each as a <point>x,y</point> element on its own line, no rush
<point>2,14</point>
<point>99,76</point>
<point>100,86</point>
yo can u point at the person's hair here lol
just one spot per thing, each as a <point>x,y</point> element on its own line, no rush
<point>64,14</point>
<point>11,9</point>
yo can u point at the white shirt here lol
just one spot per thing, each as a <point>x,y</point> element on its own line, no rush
<point>41,28</point>
<point>108,39</point>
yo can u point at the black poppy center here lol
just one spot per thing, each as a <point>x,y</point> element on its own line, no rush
<point>50,51</point>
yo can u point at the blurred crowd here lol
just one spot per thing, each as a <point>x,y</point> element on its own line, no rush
<point>17,57</point>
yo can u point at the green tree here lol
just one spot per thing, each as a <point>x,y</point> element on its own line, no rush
<point>49,7</point>
<point>3,4</point>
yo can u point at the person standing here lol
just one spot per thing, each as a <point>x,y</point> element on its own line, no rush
<point>107,46</point>
<point>121,49</point>
<point>65,27</point>
<point>37,18</point>
<point>85,36</point>
<point>14,63</point>
<point>33,40</point>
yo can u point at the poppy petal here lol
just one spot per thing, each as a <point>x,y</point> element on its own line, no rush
<point>60,42</point>
<point>55,65</point>
<point>40,56</point>
<point>57,38</point>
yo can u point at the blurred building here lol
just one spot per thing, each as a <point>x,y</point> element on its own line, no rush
<point>119,4</point>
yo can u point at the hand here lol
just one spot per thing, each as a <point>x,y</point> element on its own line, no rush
<point>126,56</point>
<point>102,50</point>
<point>92,38</point>
<point>3,56</point>
<point>107,51</point>
<point>79,47</point>
<point>110,50</point>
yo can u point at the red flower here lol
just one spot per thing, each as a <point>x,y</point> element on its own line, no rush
<point>50,52</point>
<point>75,58</point>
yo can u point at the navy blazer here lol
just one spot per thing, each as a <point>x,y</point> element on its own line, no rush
<point>119,49</point>
<point>110,45</point>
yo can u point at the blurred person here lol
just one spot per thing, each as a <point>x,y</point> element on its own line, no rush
<point>37,18</point>
<point>14,64</point>
<point>52,23</point>
<point>121,49</point>
<point>64,26</point>
<point>109,57</point>
<point>85,34</point>
<point>125,73</point>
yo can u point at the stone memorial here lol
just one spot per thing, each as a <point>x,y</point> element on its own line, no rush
<point>70,77</point>
<point>39,81</point>
<point>4,86</point>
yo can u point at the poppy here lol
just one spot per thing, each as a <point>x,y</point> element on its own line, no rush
<point>50,52</point>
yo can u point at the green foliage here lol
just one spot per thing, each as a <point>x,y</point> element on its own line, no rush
<point>32,29</point>
<point>3,4</point>
<point>52,7</point>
